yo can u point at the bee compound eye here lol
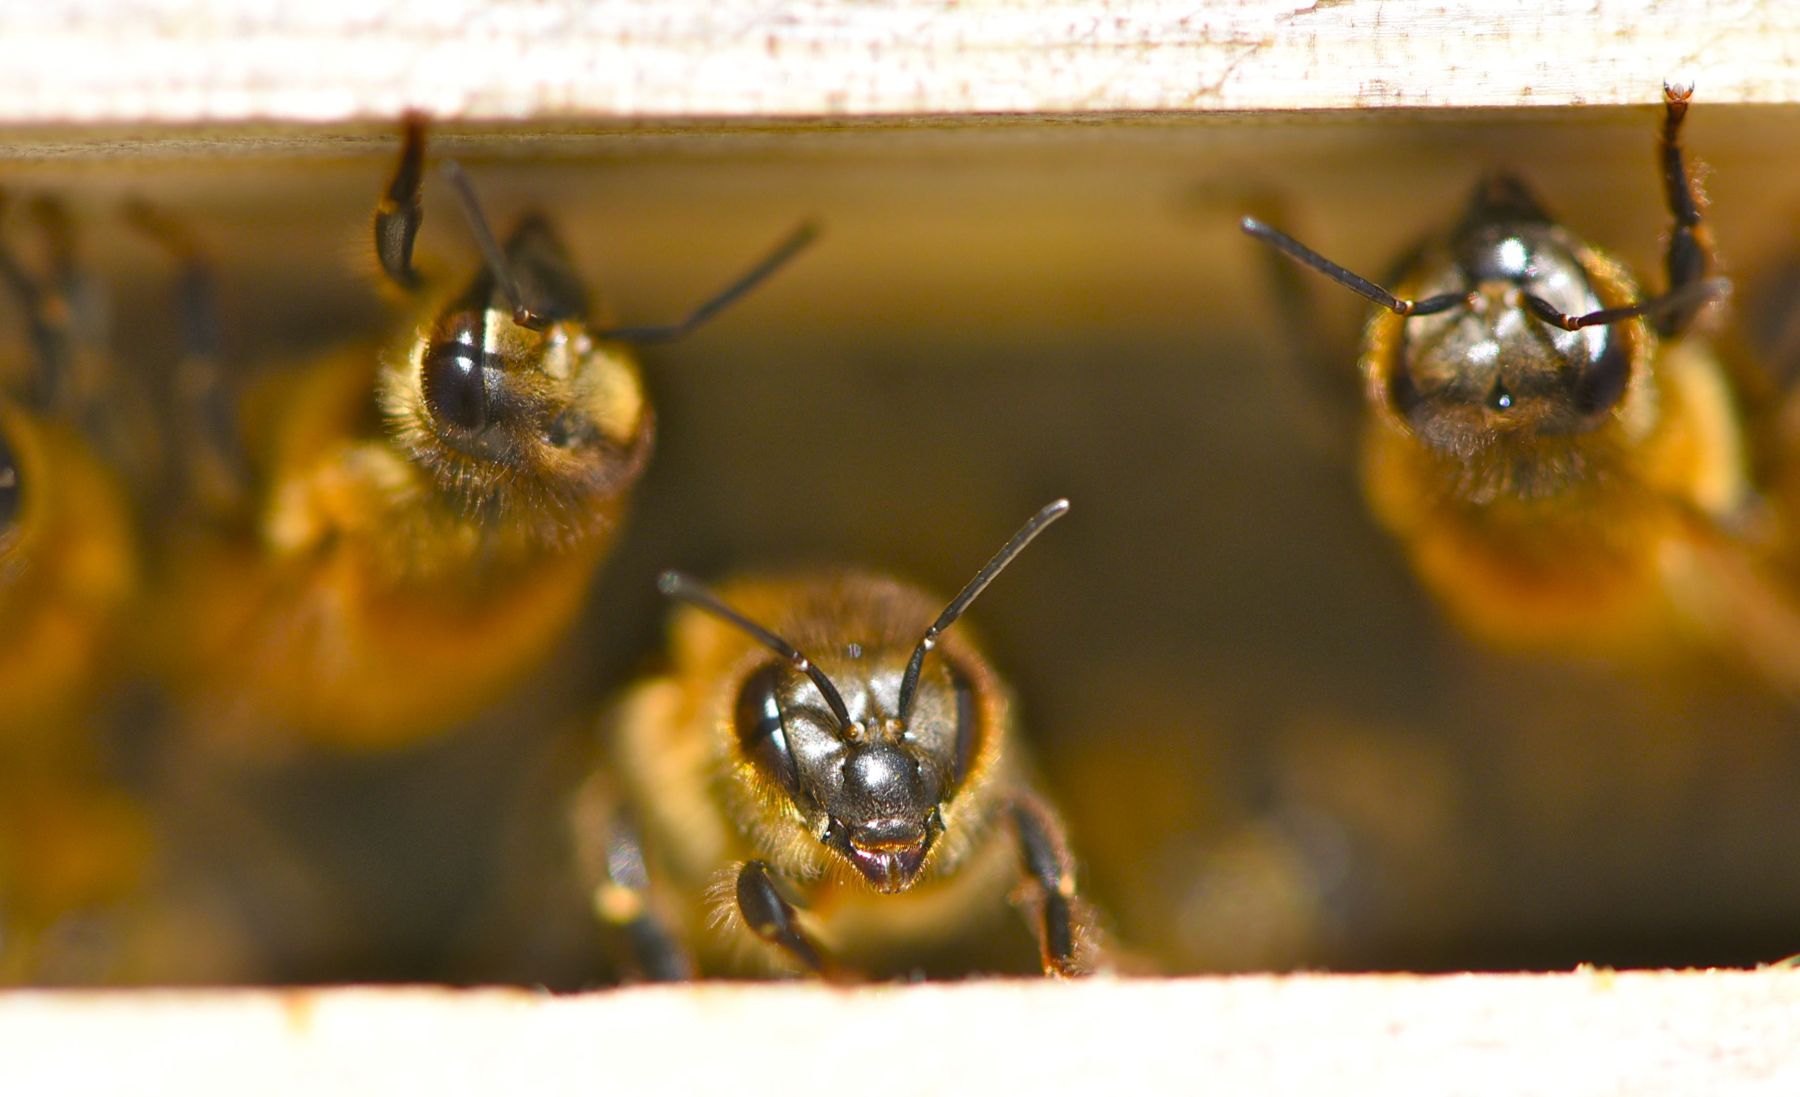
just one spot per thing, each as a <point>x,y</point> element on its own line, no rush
<point>762,735</point>
<point>454,385</point>
<point>1604,381</point>
<point>11,488</point>
<point>1403,393</point>
<point>968,729</point>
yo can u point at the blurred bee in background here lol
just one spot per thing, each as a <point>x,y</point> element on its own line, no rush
<point>1566,471</point>
<point>77,855</point>
<point>804,739</point>
<point>418,525</point>
<point>68,556</point>
<point>73,846</point>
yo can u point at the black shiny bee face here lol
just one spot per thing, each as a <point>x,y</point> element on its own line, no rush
<point>1490,364</point>
<point>873,791</point>
<point>868,739</point>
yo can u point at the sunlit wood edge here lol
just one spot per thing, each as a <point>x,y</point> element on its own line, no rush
<point>1586,1032</point>
<point>211,61</point>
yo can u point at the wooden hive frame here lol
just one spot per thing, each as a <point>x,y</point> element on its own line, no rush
<point>105,80</point>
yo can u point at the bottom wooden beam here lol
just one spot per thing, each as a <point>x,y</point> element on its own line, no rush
<point>1590,1032</point>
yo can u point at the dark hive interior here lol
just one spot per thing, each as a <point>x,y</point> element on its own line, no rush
<point>1271,749</point>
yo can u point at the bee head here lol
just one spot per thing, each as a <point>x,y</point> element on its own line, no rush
<point>1515,329</point>
<point>508,394</point>
<point>872,746</point>
<point>871,786</point>
<point>1496,359</point>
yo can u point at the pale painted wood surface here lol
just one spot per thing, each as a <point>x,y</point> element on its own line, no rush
<point>124,61</point>
<point>1586,1033</point>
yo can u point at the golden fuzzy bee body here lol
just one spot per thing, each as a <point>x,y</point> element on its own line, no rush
<point>351,606</point>
<point>1564,542</point>
<point>68,572</point>
<point>1564,463</point>
<point>704,809</point>
<point>69,554</point>
<point>420,523</point>
<point>73,849</point>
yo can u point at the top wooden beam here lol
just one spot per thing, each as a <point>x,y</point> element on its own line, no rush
<point>126,62</point>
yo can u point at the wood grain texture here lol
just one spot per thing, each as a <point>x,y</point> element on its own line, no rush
<point>188,61</point>
<point>1588,1033</point>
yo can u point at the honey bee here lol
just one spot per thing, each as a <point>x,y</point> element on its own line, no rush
<point>423,521</point>
<point>806,739</point>
<point>68,556</point>
<point>67,567</point>
<point>72,844</point>
<point>1565,469</point>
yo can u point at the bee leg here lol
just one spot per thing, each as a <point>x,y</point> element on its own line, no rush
<point>204,397</point>
<point>80,301</point>
<point>47,322</point>
<point>400,211</point>
<point>1050,879</point>
<point>623,902</point>
<point>1690,251</point>
<point>73,302</point>
<point>771,917</point>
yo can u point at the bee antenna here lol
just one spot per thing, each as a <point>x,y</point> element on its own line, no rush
<point>490,248</point>
<point>910,683</point>
<point>791,245</point>
<point>1351,281</point>
<point>1689,296</point>
<point>681,587</point>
